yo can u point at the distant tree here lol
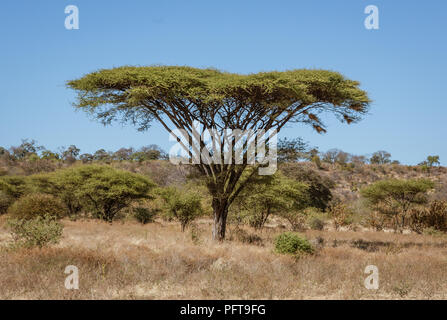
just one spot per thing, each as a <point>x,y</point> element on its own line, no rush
<point>395,198</point>
<point>27,148</point>
<point>86,157</point>
<point>358,159</point>
<point>380,157</point>
<point>3,151</point>
<point>292,150</point>
<point>101,155</point>
<point>70,154</point>
<point>433,161</point>
<point>151,152</point>
<point>49,155</point>
<point>428,164</point>
<point>342,157</point>
<point>123,154</point>
<point>330,156</point>
<point>179,97</point>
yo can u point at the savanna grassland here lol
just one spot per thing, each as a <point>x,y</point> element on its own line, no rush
<point>120,256</point>
<point>156,261</point>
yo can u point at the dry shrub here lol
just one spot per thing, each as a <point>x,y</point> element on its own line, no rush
<point>433,217</point>
<point>341,214</point>
<point>34,205</point>
<point>243,236</point>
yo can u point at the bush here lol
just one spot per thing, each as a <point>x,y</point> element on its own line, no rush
<point>274,194</point>
<point>103,190</point>
<point>292,243</point>
<point>315,218</point>
<point>37,232</point>
<point>319,186</point>
<point>341,214</point>
<point>395,198</point>
<point>144,215</point>
<point>5,202</point>
<point>243,236</point>
<point>297,219</point>
<point>434,217</point>
<point>37,205</point>
<point>182,205</point>
<point>14,186</point>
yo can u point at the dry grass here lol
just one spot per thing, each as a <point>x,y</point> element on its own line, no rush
<point>157,261</point>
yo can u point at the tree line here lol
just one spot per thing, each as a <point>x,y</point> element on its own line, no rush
<point>31,150</point>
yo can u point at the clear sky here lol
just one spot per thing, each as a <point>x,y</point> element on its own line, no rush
<point>402,65</point>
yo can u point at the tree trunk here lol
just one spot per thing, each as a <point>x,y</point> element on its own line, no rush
<point>220,208</point>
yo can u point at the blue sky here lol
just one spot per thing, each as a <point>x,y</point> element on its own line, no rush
<point>402,65</point>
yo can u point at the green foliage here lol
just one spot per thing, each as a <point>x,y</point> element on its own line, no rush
<point>316,159</point>
<point>380,157</point>
<point>64,184</point>
<point>37,205</point>
<point>5,202</point>
<point>106,190</point>
<point>394,197</point>
<point>292,243</point>
<point>127,88</point>
<point>319,186</point>
<point>267,195</point>
<point>144,215</point>
<point>48,155</point>
<point>103,190</point>
<point>26,149</point>
<point>36,232</point>
<point>221,100</point>
<point>14,186</point>
<point>428,164</point>
<point>292,150</point>
<point>405,192</point>
<point>184,206</point>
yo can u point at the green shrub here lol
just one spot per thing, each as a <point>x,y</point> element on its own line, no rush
<point>37,232</point>
<point>102,190</point>
<point>292,243</point>
<point>184,206</point>
<point>36,204</point>
<point>14,186</point>
<point>5,202</point>
<point>144,215</point>
<point>396,198</point>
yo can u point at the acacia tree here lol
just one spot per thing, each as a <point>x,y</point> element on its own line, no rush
<point>179,97</point>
